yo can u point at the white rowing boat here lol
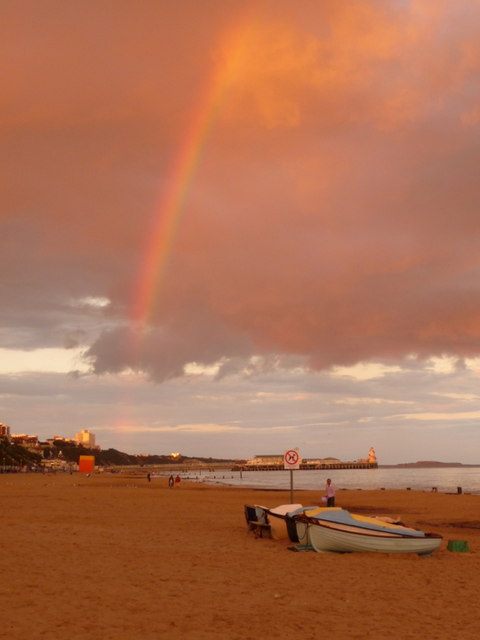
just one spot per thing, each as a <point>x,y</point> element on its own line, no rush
<point>338,530</point>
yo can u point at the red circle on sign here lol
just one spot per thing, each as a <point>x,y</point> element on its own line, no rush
<point>291,457</point>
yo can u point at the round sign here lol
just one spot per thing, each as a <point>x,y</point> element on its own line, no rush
<point>291,458</point>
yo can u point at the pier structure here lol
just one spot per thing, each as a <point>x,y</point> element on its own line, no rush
<point>275,463</point>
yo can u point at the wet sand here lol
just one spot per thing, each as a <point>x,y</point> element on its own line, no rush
<point>116,557</point>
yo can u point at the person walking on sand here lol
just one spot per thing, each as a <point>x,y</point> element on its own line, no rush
<point>171,482</point>
<point>330,493</point>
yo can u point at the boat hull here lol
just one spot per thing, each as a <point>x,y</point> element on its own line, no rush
<point>301,522</point>
<point>330,537</point>
<point>302,528</point>
<point>277,519</point>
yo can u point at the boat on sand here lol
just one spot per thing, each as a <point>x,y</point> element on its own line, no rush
<point>277,518</point>
<point>338,530</point>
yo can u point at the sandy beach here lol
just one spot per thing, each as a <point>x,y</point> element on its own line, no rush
<point>114,557</point>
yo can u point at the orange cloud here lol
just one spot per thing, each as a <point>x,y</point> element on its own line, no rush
<point>334,209</point>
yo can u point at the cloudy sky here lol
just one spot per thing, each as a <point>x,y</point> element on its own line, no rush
<point>231,228</point>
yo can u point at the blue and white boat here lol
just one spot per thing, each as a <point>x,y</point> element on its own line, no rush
<point>337,530</point>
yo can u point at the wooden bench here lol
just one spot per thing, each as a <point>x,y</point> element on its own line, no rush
<point>259,528</point>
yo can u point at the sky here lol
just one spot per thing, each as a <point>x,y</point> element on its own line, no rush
<point>234,228</point>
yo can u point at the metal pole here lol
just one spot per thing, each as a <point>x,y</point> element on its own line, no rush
<point>291,486</point>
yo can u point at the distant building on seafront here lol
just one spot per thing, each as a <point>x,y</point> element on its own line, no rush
<point>85,438</point>
<point>4,431</point>
<point>27,442</point>
<point>265,460</point>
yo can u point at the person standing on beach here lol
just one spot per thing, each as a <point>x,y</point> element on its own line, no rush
<point>330,493</point>
<point>171,482</point>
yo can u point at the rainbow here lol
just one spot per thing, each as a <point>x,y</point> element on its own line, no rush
<point>184,165</point>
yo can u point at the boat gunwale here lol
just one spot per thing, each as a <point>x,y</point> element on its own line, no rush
<point>363,531</point>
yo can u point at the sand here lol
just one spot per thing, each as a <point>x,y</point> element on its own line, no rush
<point>113,557</point>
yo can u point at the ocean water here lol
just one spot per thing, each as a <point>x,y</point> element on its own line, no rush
<point>445,479</point>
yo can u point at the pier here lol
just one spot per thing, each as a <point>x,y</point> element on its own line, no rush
<point>307,467</point>
<point>275,462</point>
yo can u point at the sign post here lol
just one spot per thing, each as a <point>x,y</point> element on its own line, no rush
<point>291,460</point>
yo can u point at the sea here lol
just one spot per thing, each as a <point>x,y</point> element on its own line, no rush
<point>441,479</point>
